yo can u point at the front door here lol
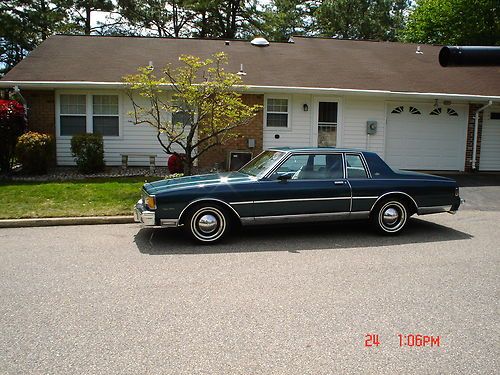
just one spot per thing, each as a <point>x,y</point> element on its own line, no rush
<point>305,184</point>
<point>327,114</point>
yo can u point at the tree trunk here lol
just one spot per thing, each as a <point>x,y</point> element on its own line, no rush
<point>87,19</point>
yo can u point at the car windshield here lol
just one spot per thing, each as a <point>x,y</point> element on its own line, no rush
<point>260,165</point>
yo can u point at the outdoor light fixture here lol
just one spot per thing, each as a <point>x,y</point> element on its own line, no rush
<point>306,107</point>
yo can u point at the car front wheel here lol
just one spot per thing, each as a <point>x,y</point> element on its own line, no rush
<point>390,216</point>
<point>207,224</point>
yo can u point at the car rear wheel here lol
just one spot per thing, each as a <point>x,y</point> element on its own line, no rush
<point>207,224</point>
<point>390,216</point>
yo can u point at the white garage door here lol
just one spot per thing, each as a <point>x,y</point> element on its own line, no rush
<point>490,142</point>
<point>426,137</point>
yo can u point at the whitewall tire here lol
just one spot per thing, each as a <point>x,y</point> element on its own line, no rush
<point>390,216</point>
<point>207,224</point>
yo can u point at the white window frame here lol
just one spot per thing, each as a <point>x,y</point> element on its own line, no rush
<point>89,112</point>
<point>289,111</point>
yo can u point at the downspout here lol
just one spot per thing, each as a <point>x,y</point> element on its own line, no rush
<point>476,125</point>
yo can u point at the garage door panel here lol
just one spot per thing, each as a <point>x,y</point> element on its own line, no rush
<point>424,141</point>
<point>490,144</point>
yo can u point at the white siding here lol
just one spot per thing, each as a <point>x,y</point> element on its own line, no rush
<point>353,114</point>
<point>356,112</point>
<point>132,139</point>
<point>490,143</point>
<point>299,132</point>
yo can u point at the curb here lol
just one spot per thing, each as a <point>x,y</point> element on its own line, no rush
<point>56,221</point>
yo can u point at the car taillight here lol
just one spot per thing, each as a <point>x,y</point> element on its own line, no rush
<point>457,192</point>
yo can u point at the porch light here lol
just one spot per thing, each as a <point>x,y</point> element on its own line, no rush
<point>306,107</point>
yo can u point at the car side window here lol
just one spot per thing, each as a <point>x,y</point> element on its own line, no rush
<point>312,167</point>
<point>355,167</point>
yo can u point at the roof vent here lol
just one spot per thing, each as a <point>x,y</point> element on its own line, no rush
<point>291,40</point>
<point>259,42</point>
<point>419,51</point>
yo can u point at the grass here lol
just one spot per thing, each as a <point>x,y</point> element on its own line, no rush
<point>91,197</point>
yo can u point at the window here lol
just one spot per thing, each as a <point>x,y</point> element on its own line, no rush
<point>73,118</point>
<point>495,115</point>
<point>312,167</point>
<point>277,113</point>
<point>451,112</point>
<point>435,112</point>
<point>105,114</point>
<point>399,109</point>
<point>414,111</point>
<point>355,167</point>
<point>85,113</point>
<point>182,116</point>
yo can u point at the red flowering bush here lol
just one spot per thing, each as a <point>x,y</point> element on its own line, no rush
<point>34,150</point>
<point>12,125</point>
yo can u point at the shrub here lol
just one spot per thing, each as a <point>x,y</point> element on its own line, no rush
<point>88,150</point>
<point>175,163</point>
<point>12,125</point>
<point>34,151</point>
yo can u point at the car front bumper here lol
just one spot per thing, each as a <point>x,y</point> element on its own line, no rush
<point>143,215</point>
<point>148,218</point>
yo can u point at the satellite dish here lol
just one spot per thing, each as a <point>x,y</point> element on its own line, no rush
<point>259,42</point>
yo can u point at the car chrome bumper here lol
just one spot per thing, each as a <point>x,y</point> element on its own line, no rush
<point>148,218</point>
<point>144,216</point>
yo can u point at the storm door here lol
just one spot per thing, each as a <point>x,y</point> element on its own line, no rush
<point>327,124</point>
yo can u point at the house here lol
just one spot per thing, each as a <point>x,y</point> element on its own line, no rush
<point>391,98</point>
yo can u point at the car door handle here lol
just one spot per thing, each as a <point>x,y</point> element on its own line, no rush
<point>339,182</point>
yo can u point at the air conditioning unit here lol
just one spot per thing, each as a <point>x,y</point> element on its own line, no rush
<point>238,159</point>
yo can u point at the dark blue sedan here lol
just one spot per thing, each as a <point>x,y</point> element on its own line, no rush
<point>296,185</point>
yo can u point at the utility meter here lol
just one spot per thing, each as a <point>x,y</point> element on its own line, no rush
<point>371,127</point>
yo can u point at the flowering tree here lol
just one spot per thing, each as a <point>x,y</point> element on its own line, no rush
<point>205,107</point>
<point>12,125</point>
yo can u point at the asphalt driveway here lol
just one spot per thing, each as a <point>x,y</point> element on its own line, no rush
<point>116,299</point>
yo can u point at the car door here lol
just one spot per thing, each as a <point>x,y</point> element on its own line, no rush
<point>304,185</point>
<point>365,190</point>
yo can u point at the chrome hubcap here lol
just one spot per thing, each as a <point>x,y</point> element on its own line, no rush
<point>207,223</point>
<point>390,216</point>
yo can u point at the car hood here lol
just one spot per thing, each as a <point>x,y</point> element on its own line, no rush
<point>187,182</point>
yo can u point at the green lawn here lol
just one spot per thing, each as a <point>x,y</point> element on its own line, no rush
<point>92,197</point>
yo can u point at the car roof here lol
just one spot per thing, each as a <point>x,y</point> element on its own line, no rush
<point>316,149</point>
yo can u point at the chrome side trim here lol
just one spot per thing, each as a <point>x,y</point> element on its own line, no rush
<point>225,204</point>
<point>298,218</point>
<point>393,192</point>
<point>302,200</point>
<point>350,187</point>
<point>237,203</point>
<point>327,216</point>
<point>433,209</point>
<point>375,197</point>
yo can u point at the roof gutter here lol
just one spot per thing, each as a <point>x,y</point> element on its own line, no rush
<point>254,89</point>
<point>476,126</point>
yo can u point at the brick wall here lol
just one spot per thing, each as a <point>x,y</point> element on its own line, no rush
<point>41,112</point>
<point>254,130</point>
<point>470,137</point>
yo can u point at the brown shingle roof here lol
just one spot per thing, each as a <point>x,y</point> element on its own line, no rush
<point>309,62</point>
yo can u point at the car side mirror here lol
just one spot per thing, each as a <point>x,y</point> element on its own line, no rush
<point>284,177</point>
